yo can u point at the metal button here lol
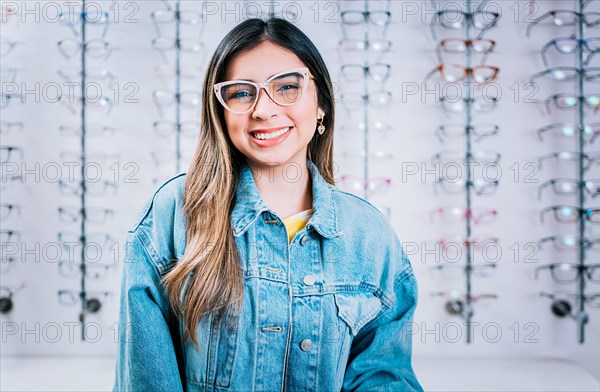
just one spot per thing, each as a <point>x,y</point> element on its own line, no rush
<point>304,240</point>
<point>306,345</point>
<point>309,280</point>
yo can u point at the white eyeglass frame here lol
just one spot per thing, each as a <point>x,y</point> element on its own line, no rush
<point>303,71</point>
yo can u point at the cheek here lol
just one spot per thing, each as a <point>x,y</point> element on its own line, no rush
<point>306,115</point>
<point>235,125</point>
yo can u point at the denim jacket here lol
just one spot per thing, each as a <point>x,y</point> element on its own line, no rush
<point>330,311</point>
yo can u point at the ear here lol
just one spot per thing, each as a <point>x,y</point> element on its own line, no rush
<point>320,113</point>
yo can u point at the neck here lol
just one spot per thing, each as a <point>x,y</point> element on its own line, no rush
<point>286,189</point>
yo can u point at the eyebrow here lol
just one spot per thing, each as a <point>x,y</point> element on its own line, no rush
<point>252,80</point>
<point>268,77</point>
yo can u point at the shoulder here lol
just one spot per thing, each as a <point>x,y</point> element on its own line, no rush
<point>165,199</point>
<point>161,225</point>
<point>371,242</point>
<point>356,214</point>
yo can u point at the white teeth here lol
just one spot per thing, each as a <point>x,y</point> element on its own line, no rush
<point>268,136</point>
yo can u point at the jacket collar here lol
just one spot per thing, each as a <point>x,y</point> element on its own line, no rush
<point>249,205</point>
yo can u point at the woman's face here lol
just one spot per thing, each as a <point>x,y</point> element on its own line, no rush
<point>258,65</point>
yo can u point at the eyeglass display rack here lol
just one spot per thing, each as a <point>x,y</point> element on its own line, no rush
<point>464,307</point>
<point>89,300</point>
<point>562,307</point>
<point>366,39</point>
<point>178,20</point>
<point>8,211</point>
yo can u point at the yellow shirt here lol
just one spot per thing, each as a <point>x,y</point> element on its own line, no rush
<point>295,223</point>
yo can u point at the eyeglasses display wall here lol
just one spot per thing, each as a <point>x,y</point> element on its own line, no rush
<point>11,154</point>
<point>376,52</point>
<point>365,98</point>
<point>179,30</point>
<point>462,62</point>
<point>569,67</point>
<point>82,216</point>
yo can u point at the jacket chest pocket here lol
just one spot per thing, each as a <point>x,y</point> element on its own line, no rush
<point>212,365</point>
<point>357,308</point>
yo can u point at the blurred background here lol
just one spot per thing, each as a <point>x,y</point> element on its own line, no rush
<point>473,126</point>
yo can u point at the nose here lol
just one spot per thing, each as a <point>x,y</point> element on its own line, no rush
<point>265,107</point>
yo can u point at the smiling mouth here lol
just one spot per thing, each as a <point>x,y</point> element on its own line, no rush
<point>270,135</point>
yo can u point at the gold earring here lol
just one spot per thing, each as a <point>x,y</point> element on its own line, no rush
<point>321,127</point>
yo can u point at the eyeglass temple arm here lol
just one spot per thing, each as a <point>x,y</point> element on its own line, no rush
<point>438,294</point>
<point>542,187</point>
<point>589,56</point>
<point>544,158</point>
<point>537,75</point>
<point>105,30</point>
<point>547,102</point>
<point>432,26</point>
<point>540,268</point>
<point>535,22</point>
<point>544,211</point>
<point>476,298</point>
<point>19,288</point>
<point>430,74</point>
<point>487,53</point>
<point>434,213</point>
<point>438,133</point>
<point>544,294</point>
<point>541,241</point>
<point>542,130</point>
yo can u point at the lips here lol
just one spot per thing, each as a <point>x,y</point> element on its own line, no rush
<point>271,133</point>
<point>269,130</point>
<point>271,138</point>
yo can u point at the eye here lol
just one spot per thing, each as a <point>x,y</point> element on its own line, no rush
<point>240,94</point>
<point>288,86</point>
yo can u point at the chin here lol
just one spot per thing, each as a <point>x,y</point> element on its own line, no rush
<point>273,160</point>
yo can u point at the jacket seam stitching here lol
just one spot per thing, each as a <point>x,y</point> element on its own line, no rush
<point>401,277</point>
<point>150,257</point>
<point>150,203</point>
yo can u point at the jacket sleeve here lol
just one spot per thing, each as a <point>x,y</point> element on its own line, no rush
<point>380,356</point>
<point>149,354</point>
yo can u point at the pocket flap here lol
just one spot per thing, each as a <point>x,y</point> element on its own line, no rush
<point>357,308</point>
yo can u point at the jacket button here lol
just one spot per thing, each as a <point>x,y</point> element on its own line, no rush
<point>306,345</point>
<point>304,240</point>
<point>309,280</point>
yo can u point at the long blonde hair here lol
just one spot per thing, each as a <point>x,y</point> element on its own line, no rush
<point>209,272</point>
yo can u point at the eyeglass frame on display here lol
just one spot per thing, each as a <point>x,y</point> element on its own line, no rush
<point>10,150</point>
<point>468,17</point>
<point>584,243</point>
<point>582,269</point>
<point>479,136</point>
<point>584,43</point>
<point>582,213</point>
<point>576,74</point>
<point>83,213</point>
<point>553,13</point>
<point>578,184</point>
<point>104,52</point>
<point>591,158</point>
<point>467,72</point>
<point>580,128</point>
<point>468,43</point>
<point>466,213</point>
<point>470,101</point>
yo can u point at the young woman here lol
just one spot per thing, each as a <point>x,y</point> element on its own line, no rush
<point>253,272</point>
